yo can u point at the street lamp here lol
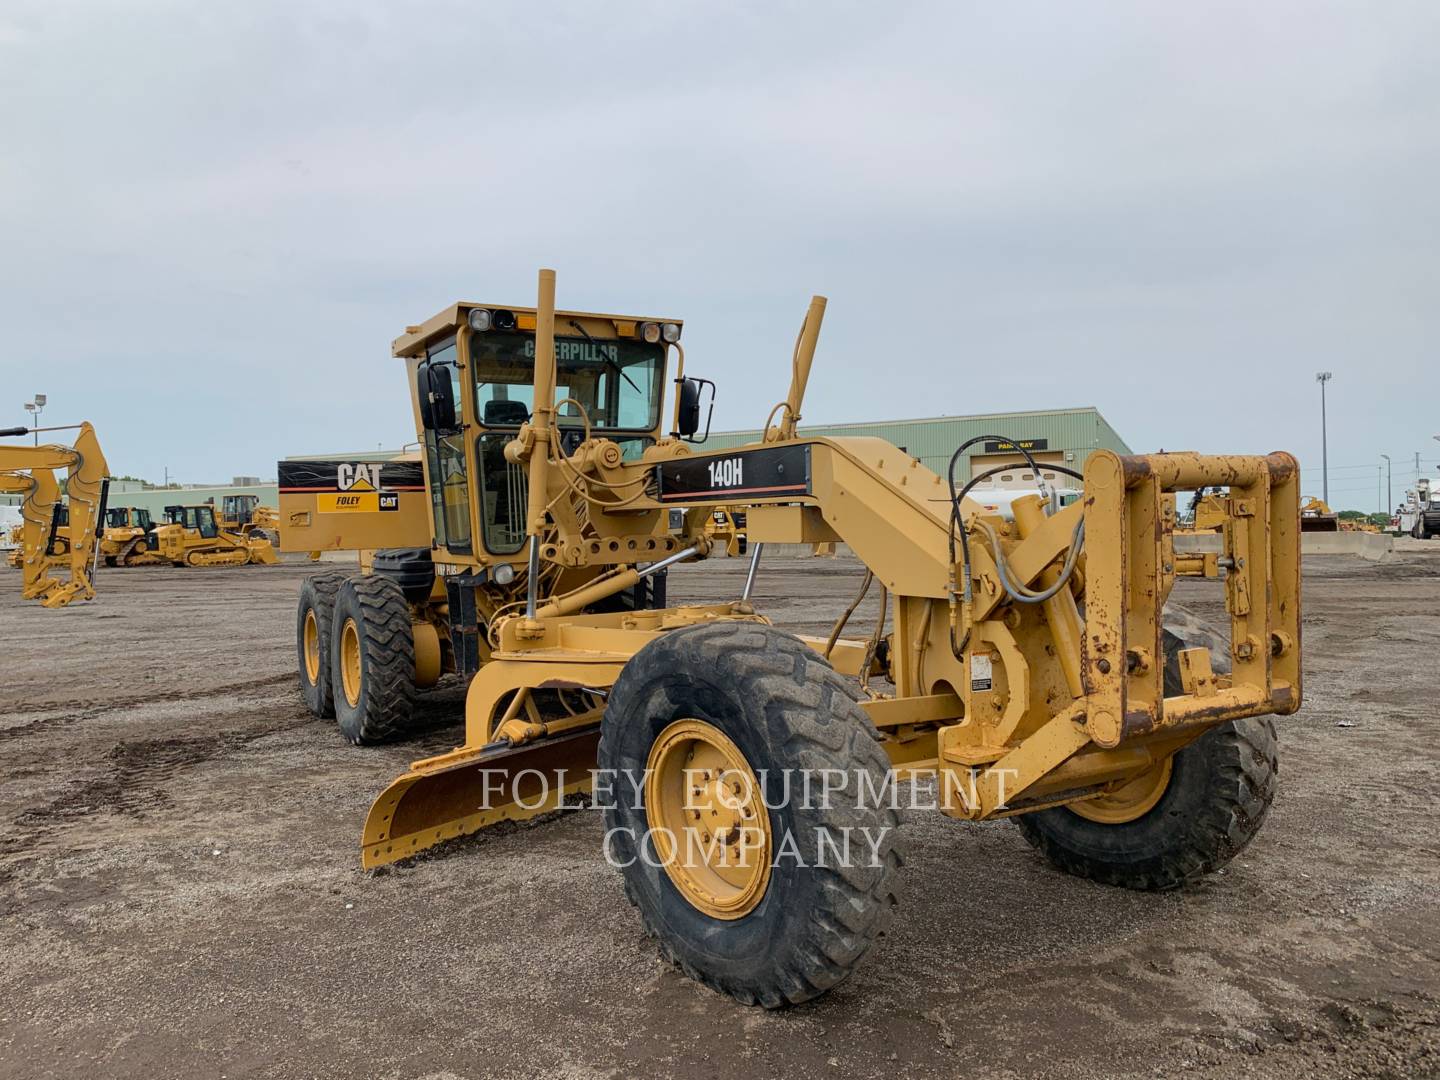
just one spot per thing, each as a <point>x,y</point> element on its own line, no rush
<point>1322,378</point>
<point>35,408</point>
<point>1389,494</point>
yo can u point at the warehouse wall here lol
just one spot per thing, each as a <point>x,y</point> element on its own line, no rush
<point>1067,431</point>
<point>156,501</point>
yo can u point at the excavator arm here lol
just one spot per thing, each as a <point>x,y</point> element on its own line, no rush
<point>86,485</point>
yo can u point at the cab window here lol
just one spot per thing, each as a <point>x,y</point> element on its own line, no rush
<point>617,383</point>
<point>445,454</point>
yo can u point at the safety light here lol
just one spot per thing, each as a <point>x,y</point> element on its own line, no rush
<point>670,332</point>
<point>503,574</point>
<point>503,320</point>
<point>479,319</point>
<point>650,332</point>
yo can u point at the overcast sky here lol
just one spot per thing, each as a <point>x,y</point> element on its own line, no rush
<point>214,218</point>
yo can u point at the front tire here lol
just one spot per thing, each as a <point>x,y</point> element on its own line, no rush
<point>800,923</point>
<point>1187,816</point>
<point>372,655</point>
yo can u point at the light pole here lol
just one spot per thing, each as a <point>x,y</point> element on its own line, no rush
<point>1322,378</point>
<point>1389,491</point>
<point>35,408</point>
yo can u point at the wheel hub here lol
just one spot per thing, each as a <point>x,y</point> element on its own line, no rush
<point>350,662</point>
<point>312,648</point>
<point>707,819</point>
<point>1130,799</point>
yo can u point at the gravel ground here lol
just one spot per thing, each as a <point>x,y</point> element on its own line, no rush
<point>181,895</point>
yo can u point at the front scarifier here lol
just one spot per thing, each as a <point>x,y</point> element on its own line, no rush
<point>1031,665</point>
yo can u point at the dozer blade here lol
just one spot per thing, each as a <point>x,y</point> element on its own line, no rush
<point>463,792</point>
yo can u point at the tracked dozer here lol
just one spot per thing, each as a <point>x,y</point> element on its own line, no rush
<point>187,536</point>
<point>127,537</point>
<point>54,536</point>
<point>244,516</point>
<point>1032,667</point>
<point>192,536</point>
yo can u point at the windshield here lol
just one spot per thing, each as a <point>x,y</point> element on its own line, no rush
<point>617,382</point>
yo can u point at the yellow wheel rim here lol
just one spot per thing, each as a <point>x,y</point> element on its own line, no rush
<point>707,819</point>
<point>350,662</point>
<point>1130,799</point>
<point>311,640</point>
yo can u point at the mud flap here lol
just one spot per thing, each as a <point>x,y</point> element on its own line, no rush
<point>463,792</point>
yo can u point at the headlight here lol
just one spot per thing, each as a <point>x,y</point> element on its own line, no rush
<point>670,332</point>
<point>479,319</point>
<point>503,574</point>
<point>650,332</point>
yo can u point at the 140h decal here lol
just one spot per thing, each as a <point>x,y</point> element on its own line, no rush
<point>772,471</point>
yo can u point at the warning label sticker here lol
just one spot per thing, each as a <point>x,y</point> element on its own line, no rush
<point>981,671</point>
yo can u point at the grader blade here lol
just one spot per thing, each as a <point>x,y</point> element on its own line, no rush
<point>463,792</point>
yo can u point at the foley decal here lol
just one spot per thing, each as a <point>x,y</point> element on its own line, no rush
<point>357,501</point>
<point>359,491</point>
<point>351,487</point>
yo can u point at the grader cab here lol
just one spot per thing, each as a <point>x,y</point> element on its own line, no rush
<point>1030,666</point>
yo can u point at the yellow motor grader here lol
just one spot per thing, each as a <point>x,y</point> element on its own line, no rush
<point>55,536</point>
<point>1030,667</point>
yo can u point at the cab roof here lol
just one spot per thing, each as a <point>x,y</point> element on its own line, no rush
<point>415,338</point>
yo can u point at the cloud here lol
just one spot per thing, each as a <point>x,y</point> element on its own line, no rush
<point>222,215</point>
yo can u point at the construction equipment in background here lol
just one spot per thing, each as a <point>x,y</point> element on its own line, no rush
<point>192,536</point>
<point>30,471</point>
<point>127,536</point>
<point>1207,513</point>
<point>1316,516</point>
<point>1031,665</point>
<point>188,536</point>
<point>243,514</point>
<point>1358,524</point>
<point>57,550</point>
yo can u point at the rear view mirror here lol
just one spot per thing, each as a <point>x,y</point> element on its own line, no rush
<point>437,397</point>
<point>687,419</point>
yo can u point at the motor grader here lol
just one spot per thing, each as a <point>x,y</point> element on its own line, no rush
<point>1029,669</point>
<point>55,536</point>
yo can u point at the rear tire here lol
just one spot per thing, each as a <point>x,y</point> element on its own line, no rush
<point>372,653</point>
<point>314,615</point>
<point>787,712</point>
<point>1219,790</point>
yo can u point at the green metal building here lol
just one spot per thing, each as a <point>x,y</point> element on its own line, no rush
<point>1053,436</point>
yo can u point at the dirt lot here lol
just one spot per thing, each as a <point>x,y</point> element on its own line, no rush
<point>180,890</point>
